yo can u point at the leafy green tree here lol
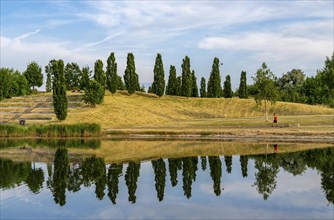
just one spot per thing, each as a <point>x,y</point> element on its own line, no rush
<point>72,75</point>
<point>203,162</point>
<point>114,172</point>
<point>243,93</point>
<point>203,88</point>
<point>265,89</point>
<point>194,92</point>
<point>111,73</point>
<point>48,86</point>
<point>216,173</point>
<point>60,101</point>
<point>85,77</point>
<point>228,163</point>
<point>159,168</point>
<point>35,180</point>
<point>158,85</point>
<point>186,86</point>
<point>178,86</point>
<point>120,83</point>
<point>244,163</point>
<point>290,85</point>
<point>131,178</point>
<point>5,83</point>
<point>171,85</point>
<point>326,76</point>
<point>173,166</point>
<point>214,83</point>
<point>227,91</point>
<point>59,180</point>
<point>130,76</point>
<point>94,93</point>
<point>34,75</point>
<point>99,74</point>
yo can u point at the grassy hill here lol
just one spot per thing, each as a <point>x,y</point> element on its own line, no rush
<point>143,113</point>
<point>141,109</point>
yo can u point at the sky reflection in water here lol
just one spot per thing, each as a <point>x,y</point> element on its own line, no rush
<point>296,190</point>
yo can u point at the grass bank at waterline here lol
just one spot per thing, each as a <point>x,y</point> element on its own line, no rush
<point>51,130</point>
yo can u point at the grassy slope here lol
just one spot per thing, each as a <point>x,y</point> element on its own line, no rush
<point>140,109</point>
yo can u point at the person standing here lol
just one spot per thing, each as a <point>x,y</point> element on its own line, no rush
<point>275,122</point>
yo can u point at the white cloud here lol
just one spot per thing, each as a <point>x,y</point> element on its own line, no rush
<point>26,35</point>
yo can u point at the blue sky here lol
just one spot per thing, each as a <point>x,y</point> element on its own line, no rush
<point>242,34</point>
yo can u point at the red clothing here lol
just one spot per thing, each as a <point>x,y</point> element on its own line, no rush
<point>275,118</point>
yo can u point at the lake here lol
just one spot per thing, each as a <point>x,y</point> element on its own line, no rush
<point>109,179</point>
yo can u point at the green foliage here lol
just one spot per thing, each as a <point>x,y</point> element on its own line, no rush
<point>158,85</point>
<point>243,91</point>
<point>94,93</point>
<point>99,75</point>
<point>216,173</point>
<point>203,88</point>
<point>34,74</point>
<point>194,92</point>
<point>131,178</point>
<point>60,102</point>
<point>178,86</point>
<point>48,86</point>
<point>12,83</point>
<point>72,76</point>
<point>159,168</point>
<point>52,130</point>
<point>265,89</point>
<point>111,74</point>
<point>290,85</point>
<point>130,76</point>
<point>227,91</point>
<point>171,85</point>
<point>120,83</point>
<point>187,84</point>
<point>214,83</point>
<point>85,77</point>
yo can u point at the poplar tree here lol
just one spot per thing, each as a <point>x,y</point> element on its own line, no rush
<point>214,83</point>
<point>99,74</point>
<point>171,85</point>
<point>85,76</point>
<point>186,86</point>
<point>194,92</point>
<point>60,102</point>
<point>178,85</point>
<point>48,86</point>
<point>227,91</point>
<point>158,85</point>
<point>203,88</point>
<point>243,93</point>
<point>111,73</point>
<point>130,75</point>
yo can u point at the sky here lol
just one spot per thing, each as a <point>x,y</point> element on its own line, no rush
<point>243,34</point>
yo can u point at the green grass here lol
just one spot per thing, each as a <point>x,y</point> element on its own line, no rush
<point>52,130</point>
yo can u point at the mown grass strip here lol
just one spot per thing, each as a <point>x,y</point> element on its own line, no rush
<point>52,130</point>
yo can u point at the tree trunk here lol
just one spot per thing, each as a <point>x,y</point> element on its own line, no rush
<point>265,106</point>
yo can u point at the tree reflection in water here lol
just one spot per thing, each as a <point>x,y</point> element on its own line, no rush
<point>63,175</point>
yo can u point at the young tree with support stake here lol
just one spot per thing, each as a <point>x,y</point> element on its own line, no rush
<point>266,91</point>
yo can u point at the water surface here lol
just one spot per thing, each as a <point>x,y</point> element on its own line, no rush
<point>268,181</point>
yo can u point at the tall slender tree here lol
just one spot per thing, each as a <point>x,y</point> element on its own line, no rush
<point>48,86</point>
<point>158,85</point>
<point>194,92</point>
<point>85,76</point>
<point>60,102</point>
<point>34,75</point>
<point>243,93</point>
<point>111,73</point>
<point>178,86</point>
<point>214,83</point>
<point>203,88</point>
<point>227,91</point>
<point>130,76</point>
<point>72,76</point>
<point>171,85</point>
<point>99,74</point>
<point>186,87</point>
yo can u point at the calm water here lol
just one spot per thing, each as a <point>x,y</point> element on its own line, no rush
<point>72,185</point>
